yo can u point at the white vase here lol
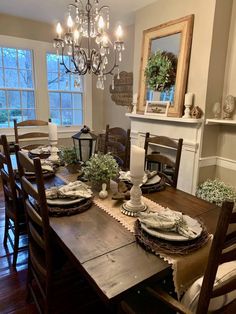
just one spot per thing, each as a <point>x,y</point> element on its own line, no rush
<point>216,110</point>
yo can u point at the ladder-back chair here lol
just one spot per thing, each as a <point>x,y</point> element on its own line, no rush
<point>14,207</point>
<point>167,167</point>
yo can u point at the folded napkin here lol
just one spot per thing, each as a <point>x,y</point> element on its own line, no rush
<point>167,220</point>
<point>47,165</point>
<point>72,190</point>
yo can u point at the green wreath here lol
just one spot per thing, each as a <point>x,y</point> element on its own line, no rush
<point>160,71</point>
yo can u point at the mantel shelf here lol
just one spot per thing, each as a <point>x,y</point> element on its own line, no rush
<point>163,118</point>
<point>220,121</point>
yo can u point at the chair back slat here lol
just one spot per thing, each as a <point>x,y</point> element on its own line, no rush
<point>32,135</point>
<point>31,123</point>
<point>29,188</point>
<point>33,214</point>
<point>162,160</point>
<point>224,287</point>
<point>36,236</point>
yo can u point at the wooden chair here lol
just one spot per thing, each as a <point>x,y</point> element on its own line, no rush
<point>216,291</point>
<point>29,134</point>
<point>14,208</point>
<point>167,168</point>
<point>52,282</point>
<point>117,142</point>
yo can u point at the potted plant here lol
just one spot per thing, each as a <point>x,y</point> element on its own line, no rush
<point>160,71</point>
<point>100,168</point>
<point>69,158</point>
<point>215,191</point>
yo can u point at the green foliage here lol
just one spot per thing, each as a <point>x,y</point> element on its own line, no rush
<point>15,112</point>
<point>215,191</point>
<point>101,168</point>
<point>68,156</point>
<point>3,116</point>
<point>160,71</point>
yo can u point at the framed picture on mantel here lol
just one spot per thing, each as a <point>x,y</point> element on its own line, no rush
<point>159,108</point>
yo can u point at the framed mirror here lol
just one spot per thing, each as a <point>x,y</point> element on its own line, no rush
<point>164,64</point>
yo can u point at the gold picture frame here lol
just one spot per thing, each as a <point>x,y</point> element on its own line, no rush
<point>157,108</point>
<point>184,27</point>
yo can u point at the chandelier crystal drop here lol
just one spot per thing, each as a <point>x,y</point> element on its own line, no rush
<point>86,42</point>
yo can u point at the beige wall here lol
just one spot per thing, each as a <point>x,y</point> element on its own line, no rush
<point>206,173</point>
<point>226,175</point>
<point>114,115</point>
<point>163,11</point>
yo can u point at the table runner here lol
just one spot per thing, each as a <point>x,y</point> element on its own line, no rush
<point>186,269</point>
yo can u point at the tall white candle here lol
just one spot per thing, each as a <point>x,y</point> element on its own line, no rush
<point>137,157</point>
<point>52,129</point>
<point>188,99</point>
<point>135,97</point>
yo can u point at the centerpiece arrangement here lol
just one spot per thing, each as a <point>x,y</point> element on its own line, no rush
<point>69,158</point>
<point>99,169</point>
<point>160,71</point>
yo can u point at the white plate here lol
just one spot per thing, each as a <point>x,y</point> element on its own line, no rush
<point>64,201</point>
<point>173,236</point>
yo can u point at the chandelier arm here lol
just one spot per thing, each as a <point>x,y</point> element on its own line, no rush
<point>104,7</point>
<point>94,69</point>
<point>115,65</point>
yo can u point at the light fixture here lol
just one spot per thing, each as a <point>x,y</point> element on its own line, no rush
<point>87,44</point>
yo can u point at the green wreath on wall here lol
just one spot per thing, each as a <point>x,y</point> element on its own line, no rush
<point>160,71</point>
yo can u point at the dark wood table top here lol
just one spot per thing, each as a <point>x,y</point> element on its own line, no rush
<point>108,254</point>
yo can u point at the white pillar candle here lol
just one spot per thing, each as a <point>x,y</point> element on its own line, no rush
<point>188,99</point>
<point>137,157</point>
<point>52,129</point>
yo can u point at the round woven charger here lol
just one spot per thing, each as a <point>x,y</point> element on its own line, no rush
<point>56,211</point>
<point>156,245</point>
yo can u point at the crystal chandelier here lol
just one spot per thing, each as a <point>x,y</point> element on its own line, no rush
<point>87,44</point>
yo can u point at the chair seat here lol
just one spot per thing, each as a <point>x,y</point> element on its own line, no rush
<point>225,271</point>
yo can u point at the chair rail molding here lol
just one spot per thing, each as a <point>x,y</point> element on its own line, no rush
<point>217,161</point>
<point>190,131</point>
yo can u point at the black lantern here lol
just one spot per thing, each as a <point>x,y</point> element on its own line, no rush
<point>84,143</point>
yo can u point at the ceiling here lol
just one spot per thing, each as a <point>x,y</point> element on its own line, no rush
<point>51,11</point>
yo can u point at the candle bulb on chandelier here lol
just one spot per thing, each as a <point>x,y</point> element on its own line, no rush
<point>119,33</point>
<point>70,23</point>
<point>59,30</point>
<point>76,36</point>
<point>101,23</point>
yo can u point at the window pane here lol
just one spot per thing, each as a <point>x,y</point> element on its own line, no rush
<point>28,114</point>
<point>24,59</point>
<point>16,114</point>
<point>67,63</point>
<point>55,116</point>
<point>77,101</point>
<point>27,99</point>
<point>26,80</point>
<point>0,57</point>
<point>67,117</point>
<point>78,117</point>
<point>66,100</point>
<point>3,119</point>
<point>9,56</point>
<point>11,78</point>
<point>52,81</point>
<point>76,83</point>
<point>2,99</point>
<point>14,99</point>
<point>64,81</point>
<point>54,100</point>
<point>52,62</point>
<point>1,78</point>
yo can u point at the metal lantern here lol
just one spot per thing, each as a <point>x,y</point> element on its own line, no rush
<point>84,143</point>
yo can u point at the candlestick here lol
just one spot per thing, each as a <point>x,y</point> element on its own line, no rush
<point>187,103</point>
<point>52,129</point>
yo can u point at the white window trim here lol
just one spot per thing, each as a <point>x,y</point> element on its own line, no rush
<point>40,50</point>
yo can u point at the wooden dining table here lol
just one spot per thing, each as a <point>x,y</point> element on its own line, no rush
<point>108,254</point>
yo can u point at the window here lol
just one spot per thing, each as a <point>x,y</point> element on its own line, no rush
<point>16,86</point>
<point>65,93</point>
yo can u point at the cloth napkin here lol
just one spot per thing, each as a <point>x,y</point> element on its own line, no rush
<point>72,190</point>
<point>167,220</point>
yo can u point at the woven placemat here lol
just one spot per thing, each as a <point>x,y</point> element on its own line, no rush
<point>155,245</point>
<point>57,211</point>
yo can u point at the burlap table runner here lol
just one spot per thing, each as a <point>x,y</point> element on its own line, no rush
<point>186,269</point>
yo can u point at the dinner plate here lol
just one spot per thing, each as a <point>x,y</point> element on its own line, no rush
<point>154,180</point>
<point>64,201</point>
<point>173,236</point>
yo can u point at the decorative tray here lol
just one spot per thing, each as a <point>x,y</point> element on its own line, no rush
<point>157,245</point>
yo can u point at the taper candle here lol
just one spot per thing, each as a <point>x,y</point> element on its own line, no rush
<point>52,129</point>
<point>188,99</point>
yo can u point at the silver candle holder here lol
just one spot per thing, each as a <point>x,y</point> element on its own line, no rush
<point>135,204</point>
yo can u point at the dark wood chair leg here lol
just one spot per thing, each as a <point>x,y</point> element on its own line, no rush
<point>6,230</point>
<point>16,245</point>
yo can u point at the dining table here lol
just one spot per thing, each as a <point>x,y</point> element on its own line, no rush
<point>107,254</point>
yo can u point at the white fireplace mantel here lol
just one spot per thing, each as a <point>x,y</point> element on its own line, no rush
<point>188,129</point>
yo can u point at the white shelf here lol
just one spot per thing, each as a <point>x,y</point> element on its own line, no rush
<point>163,118</point>
<point>220,121</point>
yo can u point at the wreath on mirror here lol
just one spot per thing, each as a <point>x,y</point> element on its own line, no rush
<point>161,70</point>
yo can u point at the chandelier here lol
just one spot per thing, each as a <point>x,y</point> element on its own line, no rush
<point>87,44</point>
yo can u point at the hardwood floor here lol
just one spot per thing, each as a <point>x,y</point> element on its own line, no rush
<point>12,281</point>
